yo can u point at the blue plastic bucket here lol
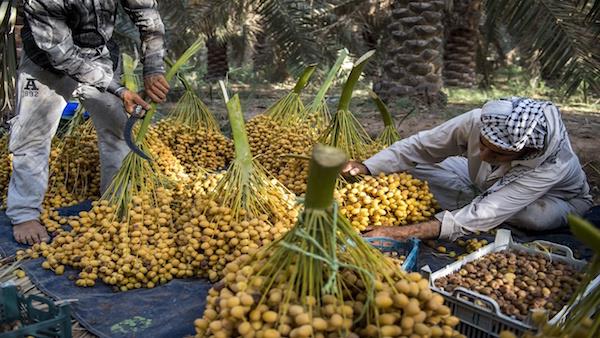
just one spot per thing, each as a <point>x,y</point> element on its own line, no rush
<point>408,249</point>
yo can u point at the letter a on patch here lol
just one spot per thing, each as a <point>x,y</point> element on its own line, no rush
<point>31,85</point>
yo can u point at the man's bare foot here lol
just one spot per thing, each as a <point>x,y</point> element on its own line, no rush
<point>30,232</point>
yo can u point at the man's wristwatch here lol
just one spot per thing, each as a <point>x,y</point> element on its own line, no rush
<point>119,91</point>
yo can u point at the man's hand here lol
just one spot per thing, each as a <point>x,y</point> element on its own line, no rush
<point>426,230</point>
<point>131,100</point>
<point>354,168</point>
<point>30,232</point>
<point>156,87</point>
<point>395,232</point>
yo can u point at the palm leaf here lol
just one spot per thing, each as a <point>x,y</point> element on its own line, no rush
<point>289,23</point>
<point>592,8</point>
<point>290,27</point>
<point>559,33</point>
<point>8,18</point>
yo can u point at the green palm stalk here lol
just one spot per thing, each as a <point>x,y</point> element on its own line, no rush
<point>246,187</point>
<point>138,176</point>
<point>290,110</point>
<point>191,51</point>
<point>191,111</point>
<point>319,267</point>
<point>390,134</point>
<point>318,110</point>
<point>345,131</point>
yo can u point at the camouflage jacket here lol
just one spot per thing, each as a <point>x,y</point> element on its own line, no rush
<point>74,37</point>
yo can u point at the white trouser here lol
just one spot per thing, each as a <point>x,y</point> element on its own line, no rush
<point>450,184</point>
<point>41,98</point>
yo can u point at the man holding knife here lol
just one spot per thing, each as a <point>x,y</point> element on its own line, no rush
<point>68,52</point>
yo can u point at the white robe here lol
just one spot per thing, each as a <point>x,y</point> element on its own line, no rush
<point>537,193</point>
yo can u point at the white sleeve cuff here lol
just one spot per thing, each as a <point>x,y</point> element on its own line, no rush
<point>371,166</point>
<point>450,229</point>
<point>377,164</point>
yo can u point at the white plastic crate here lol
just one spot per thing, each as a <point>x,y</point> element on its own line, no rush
<point>480,315</point>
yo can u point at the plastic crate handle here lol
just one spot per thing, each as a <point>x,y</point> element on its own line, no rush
<point>376,240</point>
<point>413,254</point>
<point>556,249</point>
<point>45,315</point>
<point>472,296</point>
<point>9,304</point>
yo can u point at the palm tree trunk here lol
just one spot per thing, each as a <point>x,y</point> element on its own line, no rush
<point>462,41</point>
<point>413,65</point>
<point>217,60</point>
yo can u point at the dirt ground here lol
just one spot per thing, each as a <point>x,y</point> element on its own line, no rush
<point>583,126</point>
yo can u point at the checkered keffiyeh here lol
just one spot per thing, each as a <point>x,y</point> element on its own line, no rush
<point>515,123</point>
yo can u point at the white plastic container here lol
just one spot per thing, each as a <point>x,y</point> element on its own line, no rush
<point>480,315</point>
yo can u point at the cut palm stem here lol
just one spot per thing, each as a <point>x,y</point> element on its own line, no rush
<point>190,110</point>
<point>136,177</point>
<point>191,51</point>
<point>246,205</point>
<point>290,110</point>
<point>390,134</point>
<point>345,131</point>
<point>246,185</point>
<point>318,110</point>
<point>321,279</point>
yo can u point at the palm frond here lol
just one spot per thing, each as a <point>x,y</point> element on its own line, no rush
<point>559,33</point>
<point>8,18</point>
<point>290,24</point>
<point>592,8</point>
<point>181,24</point>
<point>290,28</point>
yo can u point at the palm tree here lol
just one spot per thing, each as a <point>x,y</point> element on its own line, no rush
<point>286,27</point>
<point>217,60</point>
<point>562,35</point>
<point>285,34</point>
<point>414,56</point>
<point>462,41</point>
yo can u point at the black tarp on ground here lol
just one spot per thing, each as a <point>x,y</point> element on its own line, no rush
<point>169,310</point>
<point>165,311</point>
